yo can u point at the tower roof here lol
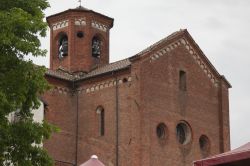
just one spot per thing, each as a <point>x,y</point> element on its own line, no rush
<point>80,9</point>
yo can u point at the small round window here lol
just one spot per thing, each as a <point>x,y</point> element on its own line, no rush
<point>80,34</point>
<point>183,133</point>
<point>204,144</point>
<point>161,131</point>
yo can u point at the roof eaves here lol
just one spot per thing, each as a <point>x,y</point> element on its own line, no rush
<point>207,60</point>
<point>59,76</point>
<point>89,75</point>
<point>226,81</point>
<point>104,73</point>
<point>201,52</point>
<point>80,10</point>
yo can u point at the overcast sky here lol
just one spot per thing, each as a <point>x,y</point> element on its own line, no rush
<point>220,27</point>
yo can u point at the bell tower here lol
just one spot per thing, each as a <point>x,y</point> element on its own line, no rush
<point>79,39</point>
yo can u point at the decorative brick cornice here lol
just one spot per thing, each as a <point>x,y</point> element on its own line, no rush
<point>104,85</point>
<point>60,90</point>
<point>99,26</point>
<point>80,21</point>
<point>164,52</point>
<point>59,25</point>
<point>93,88</point>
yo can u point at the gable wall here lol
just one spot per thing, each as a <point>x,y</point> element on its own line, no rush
<point>162,101</point>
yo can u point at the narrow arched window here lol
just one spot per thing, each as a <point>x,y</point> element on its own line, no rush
<point>96,47</point>
<point>161,131</point>
<point>101,117</point>
<point>204,145</point>
<point>182,81</point>
<point>102,123</point>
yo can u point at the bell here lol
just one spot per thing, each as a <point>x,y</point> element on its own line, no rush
<point>64,47</point>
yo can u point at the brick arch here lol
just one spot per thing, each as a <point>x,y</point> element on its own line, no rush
<point>205,145</point>
<point>56,42</point>
<point>57,36</point>
<point>101,120</point>
<point>100,107</point>
<point>101,38</point>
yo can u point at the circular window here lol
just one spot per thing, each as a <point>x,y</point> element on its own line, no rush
<point>80,34</point>
<point>204,144</point>
<point>183,133</point>
<point>161,131</point>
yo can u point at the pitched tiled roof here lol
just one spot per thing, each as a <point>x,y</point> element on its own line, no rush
<point>60,73</point>
<point>122,64</point>
<point>79,9</point>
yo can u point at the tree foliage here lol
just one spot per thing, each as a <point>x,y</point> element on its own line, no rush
<point>21,82</point>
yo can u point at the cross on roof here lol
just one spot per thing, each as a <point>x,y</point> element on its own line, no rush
<point>80,1</point>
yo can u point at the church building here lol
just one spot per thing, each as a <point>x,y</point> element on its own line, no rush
<point>166,105</point>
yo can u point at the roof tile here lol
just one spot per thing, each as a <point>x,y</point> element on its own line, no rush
<point>62,74</point>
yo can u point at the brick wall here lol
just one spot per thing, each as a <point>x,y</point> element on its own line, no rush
<point>135,101</point>
<point>163,101</point>
<point>61,111</point>
<point>149,95</point>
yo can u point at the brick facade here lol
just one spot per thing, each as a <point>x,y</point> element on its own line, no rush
<point>137,94</point>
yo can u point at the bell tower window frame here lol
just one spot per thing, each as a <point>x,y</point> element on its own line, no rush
<point>96,45</point>
<point>62,45</point>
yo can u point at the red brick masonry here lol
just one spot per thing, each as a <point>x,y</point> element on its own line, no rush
<point>137,94</point>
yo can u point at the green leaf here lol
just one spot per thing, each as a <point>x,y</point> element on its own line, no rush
<point>21,82</point>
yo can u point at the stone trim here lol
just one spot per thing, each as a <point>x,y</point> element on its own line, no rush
<point>60,25</point>
<point>104,85</point>
<point>192,52</point>
<point>80,21</point>
<point>60,90</point>
<point>99,26</point>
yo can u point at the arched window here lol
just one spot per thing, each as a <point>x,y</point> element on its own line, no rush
<point>204,145</point>
<point>96,47</point>
<point>161,131</point>
<point>63,45</point>
<point>101,117</point>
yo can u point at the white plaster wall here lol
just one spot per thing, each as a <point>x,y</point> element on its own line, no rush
<point>39,113</point>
